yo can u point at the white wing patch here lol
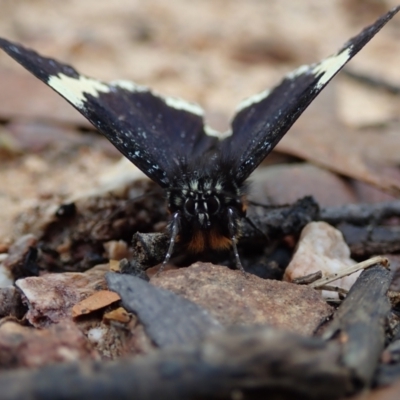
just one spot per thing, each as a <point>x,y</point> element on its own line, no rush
<point>75,89</point>
<point>180,104</point>
<point>252,100</point>
<point>173,102</point>
<point>129,85</point>
<point>213,132</point>
<point>328,67</point>
<point>303,69</point>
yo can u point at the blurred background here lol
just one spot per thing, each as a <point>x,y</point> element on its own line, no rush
<point>214,52</point>
<point>211,51</point>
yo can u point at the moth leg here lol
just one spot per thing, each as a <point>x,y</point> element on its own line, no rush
<point>172,240</point>
<point>232,230</point>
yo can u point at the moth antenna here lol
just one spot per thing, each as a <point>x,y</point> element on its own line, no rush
<point>234,240</point>
<point>174,234</point>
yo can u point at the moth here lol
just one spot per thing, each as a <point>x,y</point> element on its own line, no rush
<point>202,173</point>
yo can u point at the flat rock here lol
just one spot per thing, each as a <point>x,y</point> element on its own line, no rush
<point>22,346</point>
<point>235,299</point>
<point>167,318</point>
<point>50,298</point>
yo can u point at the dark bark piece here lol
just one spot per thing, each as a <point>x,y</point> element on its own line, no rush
<point>282,221</point>
<point>149,249</point>
<point>389,370</point>
<point>360,214</point>
<point>368,240</point>
<point>254,362</point>
<point>359,324</point>
<point>359,225</point>
<point>168,319</point>
<point>357,222</point>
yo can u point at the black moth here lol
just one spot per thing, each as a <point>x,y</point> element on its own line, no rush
<point>203,175</point>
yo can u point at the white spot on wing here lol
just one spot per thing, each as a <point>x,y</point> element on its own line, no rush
<point>180,104</point>
<point>328,67</point>
<point>213,132</point>
<point>74,89</point>
<point>298,71</point>
<point>129,85</point>
<point>252,100</point>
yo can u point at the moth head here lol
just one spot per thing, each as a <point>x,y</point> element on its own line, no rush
<point>202,206</point>
<point>204,201</point>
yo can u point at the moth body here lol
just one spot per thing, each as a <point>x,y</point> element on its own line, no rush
<point>210,204</point>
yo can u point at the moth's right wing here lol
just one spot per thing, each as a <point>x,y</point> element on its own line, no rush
<point>262,120</point>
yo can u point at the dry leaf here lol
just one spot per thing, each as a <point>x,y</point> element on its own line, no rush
<point>118,315</point>
<point>100,299</point>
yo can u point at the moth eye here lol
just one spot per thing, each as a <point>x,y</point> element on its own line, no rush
<point>190,206</point>
<point>213,205</point>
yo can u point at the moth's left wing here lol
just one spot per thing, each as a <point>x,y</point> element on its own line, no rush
<point>149,129</point>
<point>262,120</point>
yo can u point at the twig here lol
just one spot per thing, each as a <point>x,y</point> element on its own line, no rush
<point>372,81</point>
<point>335,289</point>
<point>307,279</point>
<point>350,270</point>
<point>360,214</point>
